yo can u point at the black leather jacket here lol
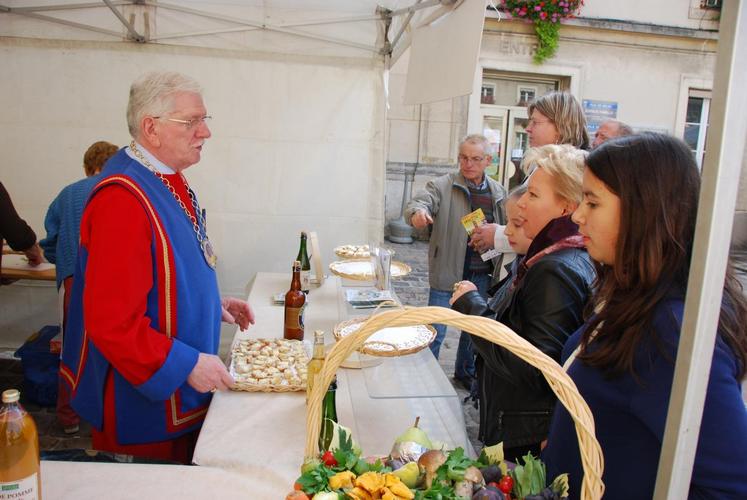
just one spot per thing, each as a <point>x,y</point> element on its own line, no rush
<point>545,308</point>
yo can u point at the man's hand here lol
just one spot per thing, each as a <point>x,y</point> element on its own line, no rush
<point>483,237</point>
<point>237,311</point>
<point>460,288</point>
<point>34,255</point>
<point>209,374</point>
<point>420,219</point>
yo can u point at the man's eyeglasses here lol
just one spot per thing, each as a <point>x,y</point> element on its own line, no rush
<point>189,123</point>
<point>470,159</point>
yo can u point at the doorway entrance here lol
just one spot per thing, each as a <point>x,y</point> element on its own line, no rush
<point>503,113</point>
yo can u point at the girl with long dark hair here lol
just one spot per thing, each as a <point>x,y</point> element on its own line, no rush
<point>638,222</point>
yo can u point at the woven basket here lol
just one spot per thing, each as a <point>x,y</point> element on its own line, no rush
<point>563,387</point>
<point>379,347</point>
<point>399,270</point>
<point>243,385</point>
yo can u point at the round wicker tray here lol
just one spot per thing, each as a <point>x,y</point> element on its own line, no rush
<point>379,343</point>
<point>362,269</point>
<point>563,387</point>
<point>240,382</point>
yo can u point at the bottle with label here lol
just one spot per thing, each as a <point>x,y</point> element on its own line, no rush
<point>295,302</point>
<point>316,363</point>
<point>329,415</point>
<point>19,451</point>
<point>303,258</point>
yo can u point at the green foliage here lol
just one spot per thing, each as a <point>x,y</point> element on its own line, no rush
<point>547,40</point>
<point>546,16</point>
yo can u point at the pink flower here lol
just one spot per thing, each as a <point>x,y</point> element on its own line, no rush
<point>542,15</point>
<point>565,10</point>
<point>537,8</point>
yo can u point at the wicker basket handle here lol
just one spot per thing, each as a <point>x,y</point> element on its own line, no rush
<point>563,387</point>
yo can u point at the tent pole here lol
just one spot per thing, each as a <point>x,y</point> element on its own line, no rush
<point>720,181</point>
<point>65,22</point>
<point>130,29</point>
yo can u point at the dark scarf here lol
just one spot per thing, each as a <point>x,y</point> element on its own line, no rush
<point>558,234</point>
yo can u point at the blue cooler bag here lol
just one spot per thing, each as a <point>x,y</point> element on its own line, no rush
<point>40,359</point>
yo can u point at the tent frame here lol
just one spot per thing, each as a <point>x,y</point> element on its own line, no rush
<point>242,25</point>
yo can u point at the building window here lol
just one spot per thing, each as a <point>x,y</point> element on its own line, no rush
<point>526,95</point>
<point>696,124</point>
<point>522,141</point>
<point>487,95</point>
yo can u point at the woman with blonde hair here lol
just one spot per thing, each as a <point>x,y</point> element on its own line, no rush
<point>557,118</point>
<point>554,118</point>
<point>544,305</point>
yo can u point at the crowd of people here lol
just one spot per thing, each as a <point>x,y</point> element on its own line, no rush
<point>599,287</point>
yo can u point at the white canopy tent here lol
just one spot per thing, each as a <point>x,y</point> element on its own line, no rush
<point>298,91</point>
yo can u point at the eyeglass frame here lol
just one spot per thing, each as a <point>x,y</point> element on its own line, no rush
<point>531,122</point>
<point>189,123</point>
<point>471,159</point>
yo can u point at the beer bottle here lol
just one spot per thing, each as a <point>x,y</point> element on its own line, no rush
<point>303,258</point>
<point>19,451</point>
<point>316,362</point>
<point>329,415</point>
<point>295,301</point>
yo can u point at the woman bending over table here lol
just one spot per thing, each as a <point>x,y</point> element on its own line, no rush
<point>544,303</point>
<point>638,222</point>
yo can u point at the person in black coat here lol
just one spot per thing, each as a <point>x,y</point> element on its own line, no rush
<point>15,231</point>
<point>544,303</point>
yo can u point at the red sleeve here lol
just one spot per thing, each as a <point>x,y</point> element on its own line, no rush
<point>119,274</point>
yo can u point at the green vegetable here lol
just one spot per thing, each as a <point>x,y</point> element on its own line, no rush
<point>491,455</point>
<point>344,449</point>
<point>342,438</point>
<point>529,479</point>
<point>438,491</point>
<point>316,480</point>
<point>560,485</point>
<point>455,466</point>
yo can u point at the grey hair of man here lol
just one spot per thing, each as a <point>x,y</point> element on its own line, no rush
<point>478,139</point>
<point>153,95</point>
<point>623,129</point>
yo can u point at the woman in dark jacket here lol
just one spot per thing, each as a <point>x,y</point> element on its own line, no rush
<point>545,303</point>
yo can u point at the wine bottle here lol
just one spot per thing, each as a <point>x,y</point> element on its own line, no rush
<point>19,450</point>
<point>303,258</point>
<point>329,415</point>
<point>316,363</point>
<point>295,302</point>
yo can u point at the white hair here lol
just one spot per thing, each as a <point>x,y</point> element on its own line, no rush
<point>153,95</point>
<point>480,140</point>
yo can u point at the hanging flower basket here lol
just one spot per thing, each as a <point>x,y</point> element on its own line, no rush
<point>546,16</point>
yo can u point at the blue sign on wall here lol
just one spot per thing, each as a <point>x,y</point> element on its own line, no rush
<point>597,112</point>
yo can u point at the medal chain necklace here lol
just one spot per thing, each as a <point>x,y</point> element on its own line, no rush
<point>202,239</point>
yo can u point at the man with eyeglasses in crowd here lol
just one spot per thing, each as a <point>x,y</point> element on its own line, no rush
<point>144,318</point>
<point>442,204</point>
